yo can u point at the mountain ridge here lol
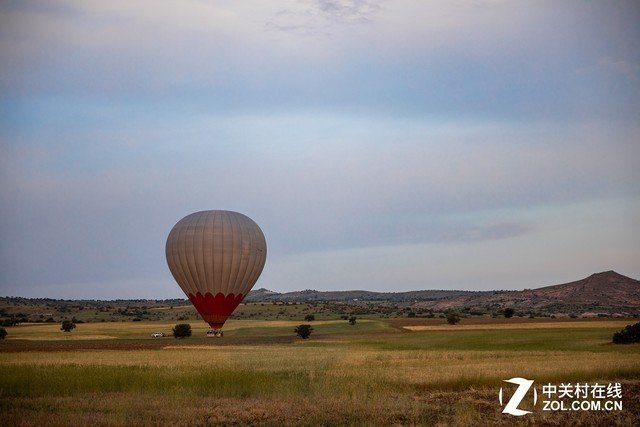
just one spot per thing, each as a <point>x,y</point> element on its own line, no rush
<point>263,294</point>
<point>607,291</point>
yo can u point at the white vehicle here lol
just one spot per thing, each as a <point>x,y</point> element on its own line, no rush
<point>157,335</point>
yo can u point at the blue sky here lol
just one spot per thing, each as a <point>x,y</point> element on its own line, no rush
<point>381,145</point>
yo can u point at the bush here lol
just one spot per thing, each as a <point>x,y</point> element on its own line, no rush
<point>182,330</point>
<point>309,318</point>
<point>411,314</point>
<point>352,320</point>
<point>452,318</point>
<point>3,333</point>
<point>67,325</point>
<point>629,335</point>
<point>8,322</point>
<point>303,331</point>
<point>509,312</point>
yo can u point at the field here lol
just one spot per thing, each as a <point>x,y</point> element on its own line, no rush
<point>378,371</point>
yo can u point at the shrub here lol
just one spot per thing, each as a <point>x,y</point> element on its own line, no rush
<point>303,331</point>
<point>3,333</point>
<point>629,335</point>
<point>309,318</point>
<point>352,320</point>
<point>453,318</point>
<point>8,322</point>
<point>67,325</point>
<point>509,312</point>
<point>411,314</point>
<point>182,330</point>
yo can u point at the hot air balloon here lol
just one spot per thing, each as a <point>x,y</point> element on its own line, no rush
<point>216,257</point>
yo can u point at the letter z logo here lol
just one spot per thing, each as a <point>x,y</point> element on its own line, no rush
<point>523,387</point>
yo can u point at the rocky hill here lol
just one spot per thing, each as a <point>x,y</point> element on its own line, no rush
<point>607,287</point>
<point>601,293</point>
<point>606,292</point>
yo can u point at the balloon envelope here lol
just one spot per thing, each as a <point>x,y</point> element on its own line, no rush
<point>216,257</point>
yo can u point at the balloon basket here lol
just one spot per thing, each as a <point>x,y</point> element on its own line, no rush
<point>215,333</point>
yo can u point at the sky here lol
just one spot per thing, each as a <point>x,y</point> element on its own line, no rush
<point>380,145</point>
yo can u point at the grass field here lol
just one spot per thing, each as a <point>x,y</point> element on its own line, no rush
<point>374,372</point>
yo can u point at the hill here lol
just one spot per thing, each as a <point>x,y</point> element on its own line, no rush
<point>606,292</point>
<point>342,296</point>
<point>607,287</point>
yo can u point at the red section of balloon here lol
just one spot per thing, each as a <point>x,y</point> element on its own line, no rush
<point>215,310</point>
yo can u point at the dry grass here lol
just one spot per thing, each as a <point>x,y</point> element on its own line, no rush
<point>427,369</point>
<point>387,377</point>
<point>143,330</point>
<point>471,407</point>
<point>522,325</point>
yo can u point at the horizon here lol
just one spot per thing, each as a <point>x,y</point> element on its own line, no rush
<point>185,298</point>
<point>390,146</point>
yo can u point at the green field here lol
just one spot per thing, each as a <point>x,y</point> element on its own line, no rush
<point>374,372</point>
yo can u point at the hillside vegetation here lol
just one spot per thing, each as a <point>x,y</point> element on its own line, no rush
<point>599,295</point>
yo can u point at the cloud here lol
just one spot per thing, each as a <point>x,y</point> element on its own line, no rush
<point>348,10</point>
<point>322,17</point>
<point>100,211</point>
<point>496,59</point>
<point>556,252</point>
<point>620,66</point>
<point>390,127</point>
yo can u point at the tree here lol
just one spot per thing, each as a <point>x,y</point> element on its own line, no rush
<point>8,322</point>
<point>453,318</point>
<point>309,318</point>
<point>303,331</point>
<point>509,312</point>
<point>629,335</point>
<point>3,333</point>
<point>67,325</point>
<point>352,320</point>
<point>182,330</point>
